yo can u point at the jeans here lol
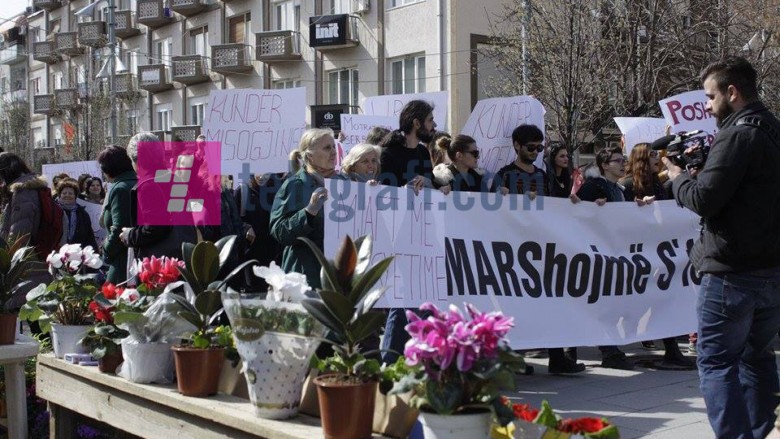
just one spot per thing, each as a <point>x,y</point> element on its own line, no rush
<point>739,317</point>
<point>395,335</point>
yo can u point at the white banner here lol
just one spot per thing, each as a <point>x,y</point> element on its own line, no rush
<point>257,128</point>
<point>355,127</point>
<point>73,169</point>
<point>491,124</point>
<point>640,130</point>
<point>685,112</point>
<point>94,211</point>
<point>570,275</point>
<point>391,105</point>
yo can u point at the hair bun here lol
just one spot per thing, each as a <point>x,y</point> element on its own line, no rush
<point>444,143</point>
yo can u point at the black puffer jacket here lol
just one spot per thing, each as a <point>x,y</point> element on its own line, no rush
<point>737,194</point>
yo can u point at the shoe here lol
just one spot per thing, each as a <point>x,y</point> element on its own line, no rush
<point>648,344</point>
<point>566,367</point>
<point>617,362</point>
<point>535,353</point>
<point>678,362</point>
<point>691,348</point>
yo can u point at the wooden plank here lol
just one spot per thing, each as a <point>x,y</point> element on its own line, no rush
<point>61,422</point>
<point>159,411</point>
<point>16,395</point>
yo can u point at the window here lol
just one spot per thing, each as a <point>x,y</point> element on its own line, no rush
<point>57,79</point>
<point>287,83</point>
<point>286,15</point>
<point>35,86</point>
<point>57,134</point>
<point>197,113</point>
<point>131,61</point>
<point>163,121</point>
<point>132,122</point>
<point>338,6</point>
<point>37,135</point>
<point>343,87</point>
<point>162,51</point>
<point>396,3</point>
<point>199,41</point>
<point>408,75</point>
<point>240,29</point>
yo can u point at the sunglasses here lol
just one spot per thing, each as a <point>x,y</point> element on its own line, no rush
<point>475,153</point>
<point>532,148</point>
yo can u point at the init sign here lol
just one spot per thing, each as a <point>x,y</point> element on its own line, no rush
<point>179,183</point>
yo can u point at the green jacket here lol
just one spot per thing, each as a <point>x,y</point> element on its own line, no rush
<point>289,221</point>
<point>115,216</point>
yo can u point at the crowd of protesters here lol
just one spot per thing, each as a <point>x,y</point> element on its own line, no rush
<point>268,212</point>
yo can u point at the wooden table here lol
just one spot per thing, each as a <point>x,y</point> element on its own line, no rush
<point>154,411</point>
<point>12,358</point>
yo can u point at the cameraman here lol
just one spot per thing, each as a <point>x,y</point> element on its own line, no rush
<point>737,194</point>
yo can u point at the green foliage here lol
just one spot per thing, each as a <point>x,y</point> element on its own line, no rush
<point>104,338</point>
<point>16,263</point>
<point>344,304</point>
<point>65,301</point>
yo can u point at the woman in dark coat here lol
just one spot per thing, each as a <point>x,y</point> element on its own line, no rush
<point>77,227</point>
<point>116,165</point>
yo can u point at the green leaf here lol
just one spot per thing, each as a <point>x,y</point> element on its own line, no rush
<point>328,270</point>
<point>320,311</point>
<point>186,252</point>
<point>338,305</point>
<point>366,281</point>
<point>237,270</point>
<point>5,260</point>
<point>546,416</point>
<point>208,302</point>
<point>191,317</point>
<point>405,384</point>
<point>225,248</point>
<point>363,245</point>
<point>122,317</point>
<point>366,325</point>
<point>444,398</point>
<point>205,262</point>
<point>369,300</point>
<point>190,278</point>
<point>345,261</point>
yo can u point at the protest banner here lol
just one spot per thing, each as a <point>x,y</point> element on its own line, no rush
<point>391,105</point>
<point>256,128</point>
<point>570,275</point>
<point>640,130</point>
<point>355,127</point>
<point>73,169</point>
<point>685,112</point>
<point>94,211</point>
<point>491,124</point>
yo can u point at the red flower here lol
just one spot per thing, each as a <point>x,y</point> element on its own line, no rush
<point>111,291</point>
<point>156,273</point>
<point>583,425</point>
<point>525,412</point>
<point>101,315</point>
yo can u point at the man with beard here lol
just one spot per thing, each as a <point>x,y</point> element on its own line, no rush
<point>405,159</point>
<point>522,176</point>
<point>737,194</point>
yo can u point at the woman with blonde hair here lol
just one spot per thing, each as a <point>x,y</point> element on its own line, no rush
<point>297,208</point>
<point>362,163</point>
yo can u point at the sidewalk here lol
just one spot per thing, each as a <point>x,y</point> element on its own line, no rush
<point>643,403</point>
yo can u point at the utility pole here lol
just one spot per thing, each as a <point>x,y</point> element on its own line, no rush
<point>524,38</point>
<point>112,67</point>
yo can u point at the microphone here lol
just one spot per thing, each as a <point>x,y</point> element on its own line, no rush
<point>665,141</point>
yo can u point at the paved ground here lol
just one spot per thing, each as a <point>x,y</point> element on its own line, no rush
<point>644,403</point>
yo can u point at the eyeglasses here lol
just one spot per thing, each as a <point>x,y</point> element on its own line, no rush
<point>533,147</point>
<point>475,153</point>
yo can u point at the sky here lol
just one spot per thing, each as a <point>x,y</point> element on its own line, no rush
<point>12,7</point>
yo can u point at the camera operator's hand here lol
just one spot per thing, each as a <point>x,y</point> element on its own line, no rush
<point>673,169</point>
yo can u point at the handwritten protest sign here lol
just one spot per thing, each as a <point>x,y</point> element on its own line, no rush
<point>626,277</point>
<point>257,128</point>
<point>94,211</point>
<point>685,112</point>
<point>355,127</point>
<point>391,105</point>
<point>640,130</point>
<point>73,169</point>
<point>491,124</point>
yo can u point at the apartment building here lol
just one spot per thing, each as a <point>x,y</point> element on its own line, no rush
<point>173,53</point>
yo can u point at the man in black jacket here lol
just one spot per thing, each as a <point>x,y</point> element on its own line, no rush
<point>737,194</point>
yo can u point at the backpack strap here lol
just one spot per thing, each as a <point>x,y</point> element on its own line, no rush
<point>756,122</point>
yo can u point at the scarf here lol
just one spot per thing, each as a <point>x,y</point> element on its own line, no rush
<point>70,210</point>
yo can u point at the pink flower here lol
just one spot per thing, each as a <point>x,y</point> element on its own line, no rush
<point>158,272</point>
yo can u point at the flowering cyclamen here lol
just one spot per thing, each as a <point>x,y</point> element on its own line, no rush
<point>285,287</point>
<point>71,257</point>
<point>158,272</point>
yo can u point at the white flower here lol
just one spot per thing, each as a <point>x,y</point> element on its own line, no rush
<point>129,295</point>
<point>73,266</point>
<point>54,259</point>
<point>72,252</point>
<point>90,258</point>
<point>285,287</point>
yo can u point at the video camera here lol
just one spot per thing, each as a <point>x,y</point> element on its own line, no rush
<point>676,145</point>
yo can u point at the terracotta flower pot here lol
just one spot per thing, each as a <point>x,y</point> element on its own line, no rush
<point>346,410</point>
<point>110,362</point>
<point>198,370</point>
<point>8,328</point>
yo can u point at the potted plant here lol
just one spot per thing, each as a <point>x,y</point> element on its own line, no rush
<point>62,306</point>
<point>276,339</point>
<point>104,340</point>
<point>532,423</point>
<point>199,359</point>
<point>458,364</point>
<point>344,306</point>
<point>16,263</point>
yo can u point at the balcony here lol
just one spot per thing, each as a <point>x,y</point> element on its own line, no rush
<point>93,34</point>
<point>13,54</point>
<point>330,32</point>
<point>186,133</point>
<point>190,69</point>
<point>124,86</point>
<point>68,43</point>
<point>152,13</point>
<point>47,4</point>
<point>154,78</point>
<point>230,58</point>
<point>164,136</point>
<point>44,104</point>
<point>188,7</point>
<point>16,96</point>
<point>67,98</point>
<point>125,24</point>
<point>282,45</point>
<point>44,52</point>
